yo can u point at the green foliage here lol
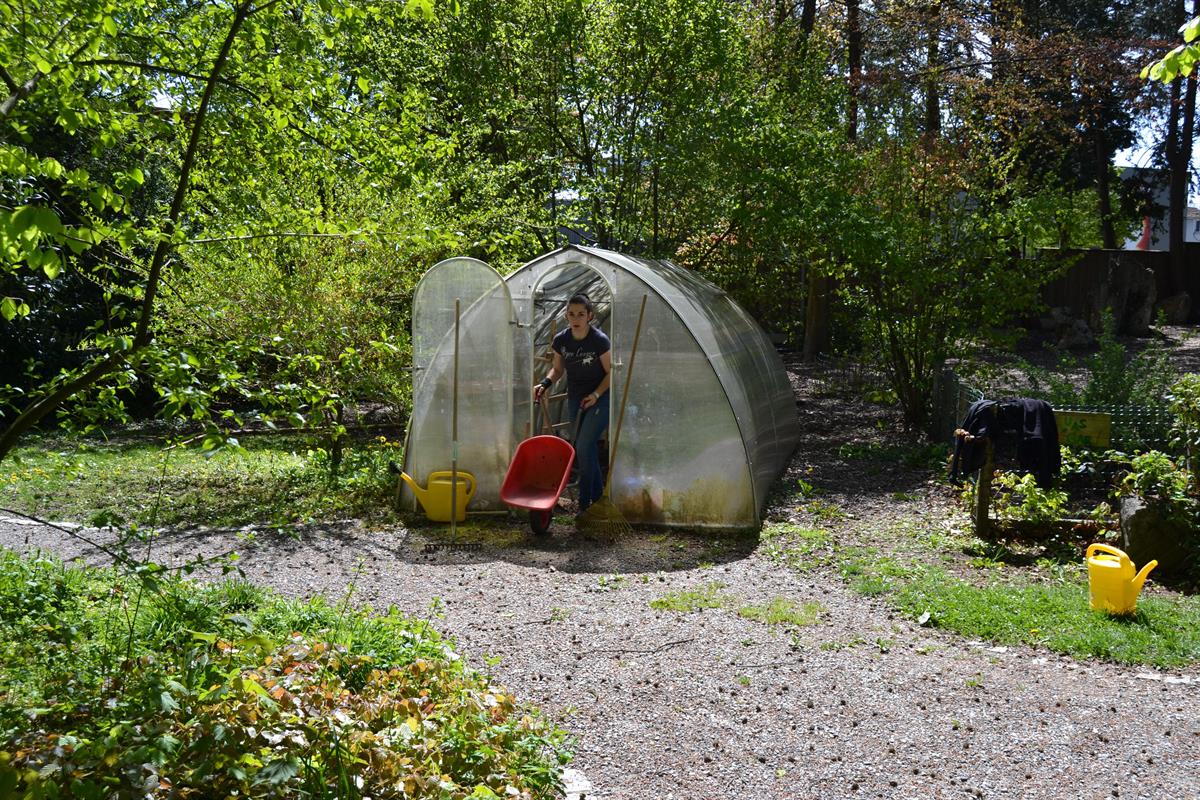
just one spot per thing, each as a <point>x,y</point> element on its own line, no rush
<point>1061,218</point>
<point>931,269</point>
<point>175,129</point>
<point>1183,399</point>
<point>1018,497</point>
<point>1116,379</point>
<point>1154,477</point>
<point>687,601</point>
<point>237,691</point>
<point>1112,377</point>
<point>1181,60</point>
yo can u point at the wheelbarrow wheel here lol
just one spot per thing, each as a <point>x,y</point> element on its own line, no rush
<point>539,520</point>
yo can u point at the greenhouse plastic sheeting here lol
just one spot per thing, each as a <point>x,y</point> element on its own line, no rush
<point>711,420</point>
<point>485,375</point>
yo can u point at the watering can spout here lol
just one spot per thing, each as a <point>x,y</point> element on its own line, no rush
<point>1140,578</point>
<point>422,495</point>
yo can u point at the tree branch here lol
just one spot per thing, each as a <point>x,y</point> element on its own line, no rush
<point>26,89</point>
<point>34,413</point>
<point>145,67</point>
<point>293,234</point>
<point>8,81</point>
<point>118,558</point>
<point>142,334</point>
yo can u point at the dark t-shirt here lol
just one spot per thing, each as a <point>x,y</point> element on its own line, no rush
<point>582,357</point>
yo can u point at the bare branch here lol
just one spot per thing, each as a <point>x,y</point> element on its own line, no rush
<point>8,80</point>
<point>145,67</point>
<point>651,651</point>
<point>295,235</point>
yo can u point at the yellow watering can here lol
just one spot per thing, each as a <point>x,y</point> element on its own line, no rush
<point>1111,580</point>
<point>436,499</point>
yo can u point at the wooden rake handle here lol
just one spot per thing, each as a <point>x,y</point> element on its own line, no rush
<point>612,453</point>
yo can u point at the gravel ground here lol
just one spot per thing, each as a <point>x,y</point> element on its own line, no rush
<point>713,705</point>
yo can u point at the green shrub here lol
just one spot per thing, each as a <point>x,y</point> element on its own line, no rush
<point>178,690</point>
<point>1018,497</point>
<point>1155,478</point>
<point>1117,379</point>
<point>1113,377</point>
<point>1183,399</point>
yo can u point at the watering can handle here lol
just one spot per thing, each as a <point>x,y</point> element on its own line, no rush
<point>470,479</point>
<point>1109,549</point>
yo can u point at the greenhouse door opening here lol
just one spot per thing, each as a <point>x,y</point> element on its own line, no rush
<point>546,318</point>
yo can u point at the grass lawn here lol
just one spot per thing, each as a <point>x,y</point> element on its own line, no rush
<point>920,566</point>
<point>271,480</point>
<point>939,578</point>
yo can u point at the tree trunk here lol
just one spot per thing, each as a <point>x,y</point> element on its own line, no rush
<point>933,109</point>
<point>820,287</point>
<point>36,411</point>
<point>854,55</point>
<point>1181,175</point>
<point>1181,121</point>
<point>808,16</point>
<point>816,316</point>
<point>1104,192</point>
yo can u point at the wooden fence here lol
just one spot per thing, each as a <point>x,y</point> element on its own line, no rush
<point>1096,279</point>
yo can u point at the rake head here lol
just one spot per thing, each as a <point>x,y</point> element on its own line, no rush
<point>604,517</point>
<point>459,547</point>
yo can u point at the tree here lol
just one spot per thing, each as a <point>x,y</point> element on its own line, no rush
<point>158,75</point>
<point>932,266</point>
<point>1177,69</point>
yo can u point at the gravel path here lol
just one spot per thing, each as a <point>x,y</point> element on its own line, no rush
<point>714,705</point>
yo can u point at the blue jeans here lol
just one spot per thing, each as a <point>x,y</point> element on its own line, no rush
<point>587,454</point>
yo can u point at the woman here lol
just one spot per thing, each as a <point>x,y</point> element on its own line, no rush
<point>583,353</point>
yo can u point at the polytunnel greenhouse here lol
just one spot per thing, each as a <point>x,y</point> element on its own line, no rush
<point>710,420</point>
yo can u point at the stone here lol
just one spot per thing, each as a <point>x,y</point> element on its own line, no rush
<point>1149,535</point>
<point>1139,301</point>
<point>1055,319</point>
<point>1075,335</point>
<point>1176,309</point>
<point>576,786</point>
<point>1129,291</point>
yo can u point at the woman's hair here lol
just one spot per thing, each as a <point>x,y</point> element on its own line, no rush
<point>579,298</point>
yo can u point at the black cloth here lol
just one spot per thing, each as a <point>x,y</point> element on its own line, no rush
<point>1023,424</point>
<point>582,359</point>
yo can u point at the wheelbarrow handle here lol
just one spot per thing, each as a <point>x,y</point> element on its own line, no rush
<point>547,425</point>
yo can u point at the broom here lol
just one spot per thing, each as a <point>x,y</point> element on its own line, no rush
<point>603,515</point>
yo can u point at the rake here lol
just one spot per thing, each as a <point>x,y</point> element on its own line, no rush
<point>603,516</point>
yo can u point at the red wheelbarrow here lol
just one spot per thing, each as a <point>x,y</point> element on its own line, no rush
<point>537,476</point>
